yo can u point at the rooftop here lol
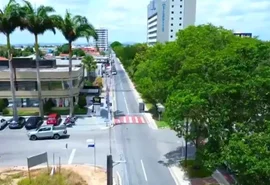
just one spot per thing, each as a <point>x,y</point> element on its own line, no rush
<point>51,70</point>
<point>3,58</point>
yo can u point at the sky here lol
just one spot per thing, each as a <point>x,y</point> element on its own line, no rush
<point>126,19</point>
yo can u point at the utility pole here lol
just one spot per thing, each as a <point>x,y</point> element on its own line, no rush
<point>108,83</point>
<point>186,152</point>
<point>109,170</point>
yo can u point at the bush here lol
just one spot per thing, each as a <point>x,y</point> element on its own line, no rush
<point>48,105</point>
<point>5,100</point>
<point>3,104</point>
<point>82,101</point>
<point>5,111</point>
<point>98,82</point>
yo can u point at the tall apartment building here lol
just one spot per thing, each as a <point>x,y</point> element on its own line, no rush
<point>102,42</point>
<point>166,17</point>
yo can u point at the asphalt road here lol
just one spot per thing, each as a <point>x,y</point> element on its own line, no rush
<point>143,149</point>
<point>15,146</point>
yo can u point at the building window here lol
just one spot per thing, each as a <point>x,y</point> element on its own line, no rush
<point>171,30</point>
<point>171,18</point>
<point>180,24</point>
<point>172,6</point>
<point>171,36</point>
<point>172,12</point>
<point>180,18</point>
<point>171,24</point>
<point>180,12</point>
<point>180,6</point>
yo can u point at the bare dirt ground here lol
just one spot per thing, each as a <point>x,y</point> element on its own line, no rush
<point>91,175</point>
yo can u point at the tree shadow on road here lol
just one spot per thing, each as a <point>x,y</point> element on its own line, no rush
<point>118,113</point>
<point>174,157</point>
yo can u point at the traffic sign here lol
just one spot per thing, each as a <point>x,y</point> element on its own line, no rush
<point>90,143</point>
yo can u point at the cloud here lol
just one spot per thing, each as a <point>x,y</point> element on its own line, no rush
<point>126,19</point>
<point>238,15</point>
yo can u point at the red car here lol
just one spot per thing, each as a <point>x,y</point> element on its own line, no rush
<point>53,119</point>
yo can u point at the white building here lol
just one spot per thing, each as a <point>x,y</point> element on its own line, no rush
<point>102,42</point>
<point>166,17</point>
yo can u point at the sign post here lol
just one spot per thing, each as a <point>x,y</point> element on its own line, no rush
<point>91,143</point>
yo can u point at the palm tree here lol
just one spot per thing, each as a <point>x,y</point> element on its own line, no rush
<point>72,28</point>
<point>38,21</point>
<point>89,64</point>
<point>10,19</point>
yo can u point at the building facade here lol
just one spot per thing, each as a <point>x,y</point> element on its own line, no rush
<point>54,81</point>
<point>102,42</point>
<point>166,17</point>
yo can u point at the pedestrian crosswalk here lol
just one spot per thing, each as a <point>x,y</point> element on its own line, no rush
<point>129,119</point>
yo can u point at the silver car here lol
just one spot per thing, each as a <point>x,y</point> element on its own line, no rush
<point>48,131</point>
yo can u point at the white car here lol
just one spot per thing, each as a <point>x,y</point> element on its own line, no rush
<point>48,131</point>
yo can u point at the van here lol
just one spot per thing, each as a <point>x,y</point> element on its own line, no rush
<point>53,119</point>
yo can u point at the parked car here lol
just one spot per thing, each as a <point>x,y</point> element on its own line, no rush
<point>53,119</point>
<point>48,131</point>
<point>16,124</point>
<point>33,122</point>
<point>3,124</point>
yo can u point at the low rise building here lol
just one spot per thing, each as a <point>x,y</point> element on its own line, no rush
<point>54,81</point>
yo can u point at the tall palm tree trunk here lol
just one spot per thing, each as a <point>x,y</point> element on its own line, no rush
<point>41,112</point>
<point>12,86</point>
<point>71,103</point>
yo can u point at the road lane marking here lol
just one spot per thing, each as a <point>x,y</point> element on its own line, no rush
<point>71,157</point>
<point>124,97</point>
<point>130,119</point>
<point>124,119</point>
<point>144,173</point>
<point>136,119</point>
<point>142,120</point>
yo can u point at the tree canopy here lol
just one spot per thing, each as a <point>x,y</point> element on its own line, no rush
<point>220,83</point>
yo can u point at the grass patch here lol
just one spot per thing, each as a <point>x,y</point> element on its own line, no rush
<point>6,181</point>
<point>66,177</point>
<point>65,110</point>
<point>33,111</point>
<point>16,175</point>
<point>152,109</point>
<point>162,124</point>
<point>25,111</point>
<point>195,172</point>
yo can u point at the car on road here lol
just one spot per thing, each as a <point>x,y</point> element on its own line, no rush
<point>17,124</point>
<point>3,124</point>
<point>54,119</point>
<point>48,131</point>
<point>33,122</point>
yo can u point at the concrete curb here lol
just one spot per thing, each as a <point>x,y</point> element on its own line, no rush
<point>152,122</point>
<point>117,179</point>
<point>179,175</point>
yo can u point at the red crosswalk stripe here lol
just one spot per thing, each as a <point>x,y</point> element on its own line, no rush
<point>129,119</point>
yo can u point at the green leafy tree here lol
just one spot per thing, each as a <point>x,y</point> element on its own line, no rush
<point>90,64</point>
<point>38,21</point>
<point>78,52</point>
<point>116,44</point>
<point>82,101</point>
<point>72,28</point>
<point>248,155</point>
<point>10,19</point>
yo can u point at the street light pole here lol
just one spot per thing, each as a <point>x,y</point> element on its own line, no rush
<point>109,109</point>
